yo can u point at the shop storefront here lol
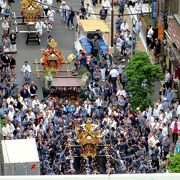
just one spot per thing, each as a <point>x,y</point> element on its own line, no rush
<point>172,59</point>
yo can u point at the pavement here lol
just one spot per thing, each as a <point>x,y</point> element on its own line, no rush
<point>140,46</point>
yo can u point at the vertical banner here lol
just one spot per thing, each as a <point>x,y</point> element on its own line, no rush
<point>154,9</point>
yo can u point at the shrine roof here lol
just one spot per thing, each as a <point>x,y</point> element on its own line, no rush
<point>66,82</point>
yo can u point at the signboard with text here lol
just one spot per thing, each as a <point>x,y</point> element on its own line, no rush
<point>154,9</point>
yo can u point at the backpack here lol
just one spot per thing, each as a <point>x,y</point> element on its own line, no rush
<point>96,92</point>
<point>154,158</point>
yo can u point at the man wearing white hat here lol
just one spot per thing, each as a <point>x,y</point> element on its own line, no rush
<point>64,11</point>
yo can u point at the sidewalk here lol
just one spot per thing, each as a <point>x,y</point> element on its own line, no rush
<point>139,46</point>
<point>141,43</point>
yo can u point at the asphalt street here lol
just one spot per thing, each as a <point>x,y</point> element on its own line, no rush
<point>64,37</point>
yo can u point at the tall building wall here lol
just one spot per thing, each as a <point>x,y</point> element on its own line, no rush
<point>173,6</point>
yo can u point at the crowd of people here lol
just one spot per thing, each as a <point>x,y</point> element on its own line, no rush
<point>8,37</point>
<point>139,141</point>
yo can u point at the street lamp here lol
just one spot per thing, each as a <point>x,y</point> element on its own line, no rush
<point>112,23</point>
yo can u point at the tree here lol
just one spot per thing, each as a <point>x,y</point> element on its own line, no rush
<point>174,165</point>
<point>141,75</point>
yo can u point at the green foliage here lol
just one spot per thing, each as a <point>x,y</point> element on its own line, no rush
<point>174,165</point>
<point>141,75</point>
<point>49,70</point>
<point>2,122</point>
<point>83,71</point>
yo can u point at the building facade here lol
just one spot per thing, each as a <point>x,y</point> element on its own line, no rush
<point>172,40</point>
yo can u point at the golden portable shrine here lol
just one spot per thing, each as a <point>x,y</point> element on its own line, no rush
<point>30,10</point>
<point>88,138</point>
<point>89,142</point>
<point>25,22</point>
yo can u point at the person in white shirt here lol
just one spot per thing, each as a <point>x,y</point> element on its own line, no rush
<point>113,76</point>
<point>168,114</point>
<point>10,129</point>
<point>42,106</point>
<point>39,28</point>
<point>120,92</point>
<point>26,71</point>
<point>119,43</point>
<point>88,106</point>
<point>106,120</point>
<point>124,26</point>
<point>114,72</point>
<point>3,5</point>
<point>64,12</point>
<point>35,102</point>
<point>5,26</point>
<point>5,132</point>
<point>46,116</point>
<point>26,68</point>
<point>149,35</point>
<point>45,6</point>
<point>139,5</point>
<point>156,111</point>
<point>11,113</point>
<point>159,103</point>
<point>24,104</point>
<point>106,4</point>
<point>113,123</point>
<point>30,114</point>
<point>167,78</point>
<point>164,119</point>
<point>77,23</point>
<point>50,15</point>
<point>30,135</point>
<point>10,99</point>
<point>164,130</point>
<point>99,101</point>
<point>138,26</point>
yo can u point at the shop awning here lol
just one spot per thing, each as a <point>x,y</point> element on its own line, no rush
<point>94,25</point>
<point>65,82</point>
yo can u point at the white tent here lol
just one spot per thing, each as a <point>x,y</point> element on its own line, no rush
<point>20,157</point>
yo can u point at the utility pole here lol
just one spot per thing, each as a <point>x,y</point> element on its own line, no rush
<point>132,37</point>
<point>112,23</point>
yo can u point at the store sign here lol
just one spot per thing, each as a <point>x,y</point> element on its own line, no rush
<point>160,32</point>
<point>154,9</point>
<point>174,32</point>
